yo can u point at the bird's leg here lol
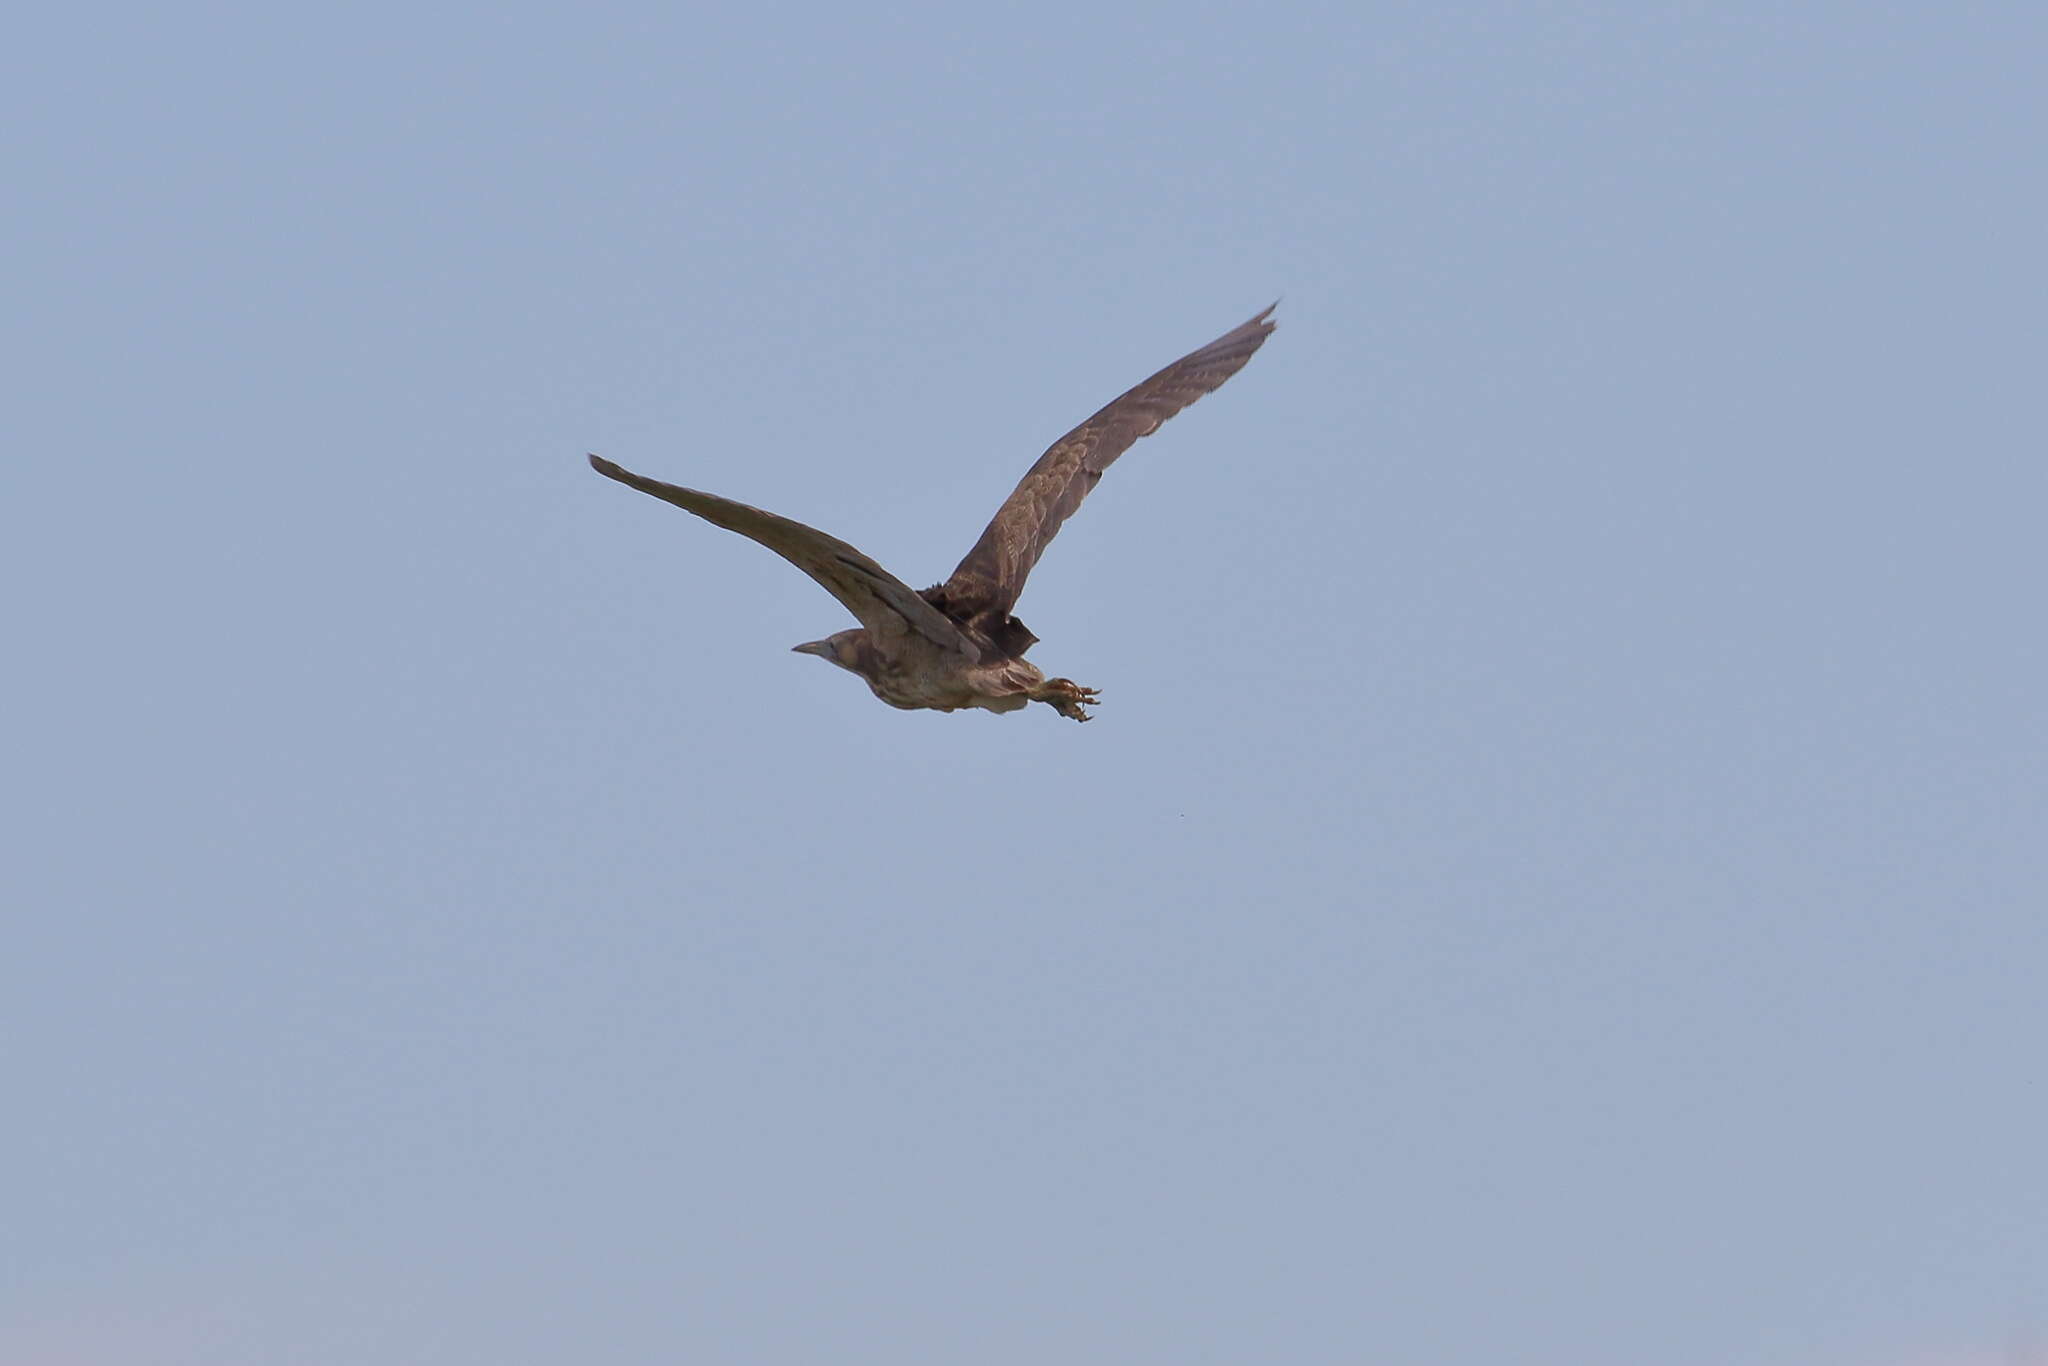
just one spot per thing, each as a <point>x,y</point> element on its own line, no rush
<point>1066,697</point>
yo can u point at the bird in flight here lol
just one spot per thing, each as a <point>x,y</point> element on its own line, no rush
<point>956,644</point>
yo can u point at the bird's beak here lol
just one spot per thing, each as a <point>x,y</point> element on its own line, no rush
<point>813,647</point>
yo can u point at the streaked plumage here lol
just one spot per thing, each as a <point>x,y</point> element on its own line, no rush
<point>957,644</point>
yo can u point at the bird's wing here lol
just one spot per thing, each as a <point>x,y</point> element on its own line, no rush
<point>882,602</point>
<point>990,578</point>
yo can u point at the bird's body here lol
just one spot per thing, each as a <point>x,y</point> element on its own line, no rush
<point>921,676</point>
<point>957,644</point>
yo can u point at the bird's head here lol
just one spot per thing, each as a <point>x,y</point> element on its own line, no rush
<point>841,649</point>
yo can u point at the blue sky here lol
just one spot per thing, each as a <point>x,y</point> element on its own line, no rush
<point>1557,875</point>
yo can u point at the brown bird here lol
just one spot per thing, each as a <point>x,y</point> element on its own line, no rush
<point>956,644</point>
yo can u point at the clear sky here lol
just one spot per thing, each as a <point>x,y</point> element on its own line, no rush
<point>1559,873</point>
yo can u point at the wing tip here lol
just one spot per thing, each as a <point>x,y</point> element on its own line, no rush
<point>1255,330</point>
<point>1239,342</point>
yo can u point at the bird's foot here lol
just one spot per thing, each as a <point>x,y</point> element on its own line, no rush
<point>1066,697</point>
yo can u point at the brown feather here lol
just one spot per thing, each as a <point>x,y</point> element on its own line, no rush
<point>883,603</point>
<point>984,587</point>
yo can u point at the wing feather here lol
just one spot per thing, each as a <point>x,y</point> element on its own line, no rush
<point>884,604</point>
<point>988,580</point>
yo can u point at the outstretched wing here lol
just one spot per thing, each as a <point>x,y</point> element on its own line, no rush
<point>882,602</point>
<point>987,582</point>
